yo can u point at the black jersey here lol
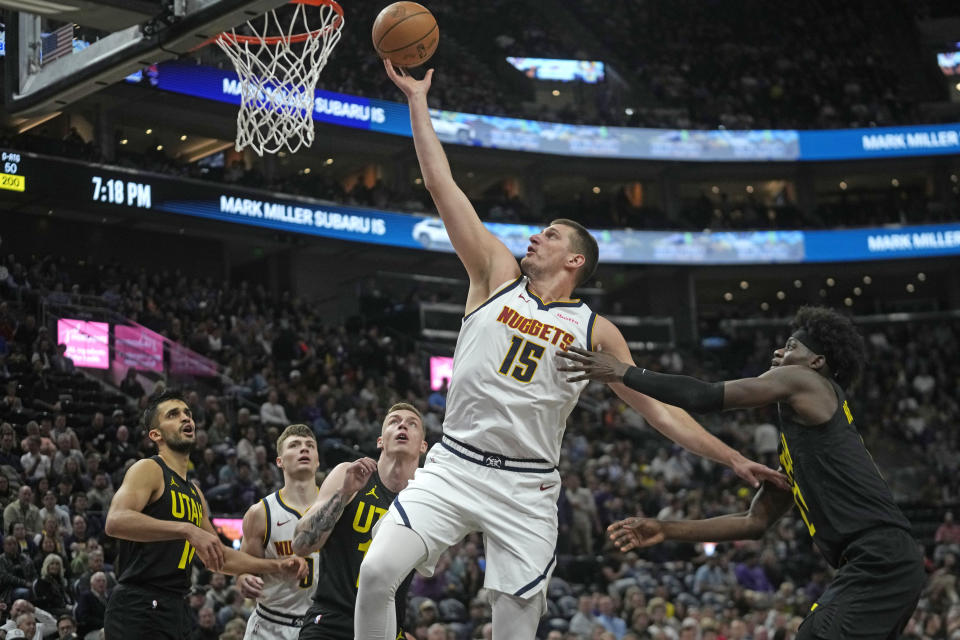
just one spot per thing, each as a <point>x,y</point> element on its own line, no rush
<point>836,484</point>
<point>342,554</point>
<point>163,565</point>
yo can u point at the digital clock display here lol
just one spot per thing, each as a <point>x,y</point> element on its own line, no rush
<point>123,192</point>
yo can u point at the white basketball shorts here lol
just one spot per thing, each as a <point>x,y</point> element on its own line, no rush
<point>512,502</point>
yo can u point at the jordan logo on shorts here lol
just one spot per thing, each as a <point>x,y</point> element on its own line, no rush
<point>493,461</point>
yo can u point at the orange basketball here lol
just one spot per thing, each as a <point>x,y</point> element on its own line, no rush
<point>405,33</point>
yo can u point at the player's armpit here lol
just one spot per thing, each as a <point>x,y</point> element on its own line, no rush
<point>126,520</point>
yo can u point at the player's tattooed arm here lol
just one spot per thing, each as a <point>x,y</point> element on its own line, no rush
<point>313,530</point>
<point>336,492</point>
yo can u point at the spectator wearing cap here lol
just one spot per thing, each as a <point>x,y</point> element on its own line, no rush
<point>15,634</point>
<point>23,510</point>
<point>272,413</point>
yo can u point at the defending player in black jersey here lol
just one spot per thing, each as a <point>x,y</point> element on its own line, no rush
<point>841,496</point>
<point>162,522</point>
<point>352,499</point>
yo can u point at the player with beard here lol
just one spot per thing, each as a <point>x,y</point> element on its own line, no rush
<point>162,523</point>
<point>843,500</point>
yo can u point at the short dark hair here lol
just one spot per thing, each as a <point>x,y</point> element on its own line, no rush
<point>584,243</point>
<point>149,417</point>
<point>842,344</point>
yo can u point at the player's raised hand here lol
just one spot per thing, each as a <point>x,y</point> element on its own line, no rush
<point>633,533</point>
<point>250,586</point>
<point>294,568</point>
<point>357,475</point>
<point>755,473</point>
<point>208,546</point>
<point>407,83</point>
<point>591,365</point>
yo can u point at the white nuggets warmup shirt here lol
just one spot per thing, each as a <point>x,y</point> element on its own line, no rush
<point>281,608</point>
<point>494,471</point>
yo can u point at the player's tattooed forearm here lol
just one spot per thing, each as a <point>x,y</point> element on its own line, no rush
<point>318,526</point>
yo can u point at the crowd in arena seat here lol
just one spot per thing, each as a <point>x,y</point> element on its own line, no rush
<point>66,440</point>
<point>685,64</point>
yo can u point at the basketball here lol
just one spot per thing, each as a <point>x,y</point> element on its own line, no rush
<point>405,33</point>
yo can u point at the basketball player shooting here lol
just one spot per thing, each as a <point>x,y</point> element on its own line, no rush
<point>494,470</point>
<point>268,531</point>
<point>162,522</point>
<point>841,496</point>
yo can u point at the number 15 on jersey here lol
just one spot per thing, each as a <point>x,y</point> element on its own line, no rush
<point>522,359</point>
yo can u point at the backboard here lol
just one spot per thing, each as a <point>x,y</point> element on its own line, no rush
<point>59,51</point>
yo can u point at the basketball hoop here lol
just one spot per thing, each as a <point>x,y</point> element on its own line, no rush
<point>279,65</point>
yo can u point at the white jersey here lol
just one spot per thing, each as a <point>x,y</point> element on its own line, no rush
<point>281,595</point>
<point>506,395</point>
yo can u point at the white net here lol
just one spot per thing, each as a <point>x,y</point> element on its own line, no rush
<point>279,59</point>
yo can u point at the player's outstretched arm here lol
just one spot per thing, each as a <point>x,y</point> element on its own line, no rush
<point>252,543</point>
<point>767,507</point>
<point>336,492</point>
<point>236,563</point>
<point>612,363</point>
<point>488,261</point>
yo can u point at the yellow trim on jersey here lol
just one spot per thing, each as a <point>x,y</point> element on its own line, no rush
<point>540,300</point>
<point>280,499</point>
